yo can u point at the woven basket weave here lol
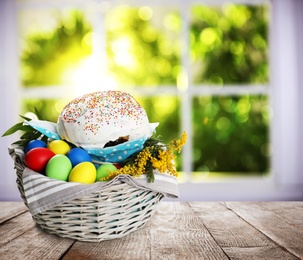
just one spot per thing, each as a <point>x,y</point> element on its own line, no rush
<point>111,213</point>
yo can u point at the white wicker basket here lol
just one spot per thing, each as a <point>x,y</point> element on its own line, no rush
<point>113,212</point>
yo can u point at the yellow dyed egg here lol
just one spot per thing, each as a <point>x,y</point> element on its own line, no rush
<point>58,147</point>
<point>84,172</point>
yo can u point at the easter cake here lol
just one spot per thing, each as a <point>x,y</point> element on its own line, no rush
<point>97,173</point>
<point>96,119</point>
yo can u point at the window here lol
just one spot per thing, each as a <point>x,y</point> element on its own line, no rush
<point>186,46</point>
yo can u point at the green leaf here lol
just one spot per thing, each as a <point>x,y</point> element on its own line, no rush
<point>25,118</point>
<point>31,135</point>
<point>13,129</point>
<point>38,113</point>
<point>20,143</point>
<point>149,172</point>
<point>26,128</point>
<point>18,127</point>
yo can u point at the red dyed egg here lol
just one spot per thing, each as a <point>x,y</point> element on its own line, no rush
<point>37,158</point>
<point>117,165</point>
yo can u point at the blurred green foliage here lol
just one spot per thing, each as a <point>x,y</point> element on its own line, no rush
<point>231,134</point>
<point>228,45</point>
<point>48,56</point>
<point>141,50</point>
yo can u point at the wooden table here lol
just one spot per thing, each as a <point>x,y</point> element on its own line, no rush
<point>178,230</point>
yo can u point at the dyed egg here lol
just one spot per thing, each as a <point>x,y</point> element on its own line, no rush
<point>117,165</point>
<point>37,158</point>
<point>59,147</point>
<point>104,170</point>
<point>84,172</point>
<point>58,167</point>
<point>34,144</point>
<point>78,155</point>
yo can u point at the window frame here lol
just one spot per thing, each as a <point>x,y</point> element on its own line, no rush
<point>286,180</point>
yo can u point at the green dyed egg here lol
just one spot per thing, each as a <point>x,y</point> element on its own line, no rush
<point>58,167</point>
<point>104,169</point>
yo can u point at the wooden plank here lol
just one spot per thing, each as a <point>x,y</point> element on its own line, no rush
<point>178,233</point>
<point>35,244</point>
<point>256,253</point>
<point>9,210</point>
<point>291,212</point>
<point>135,245</point>
<point>174,232</point>
<point>15,227</point>
<point>236,237</point>
<point>265,217</point>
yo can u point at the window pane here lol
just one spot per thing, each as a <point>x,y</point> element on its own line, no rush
<point>165,110</point>
<point>231,134</point>
<point>48,109</point>
<point>53,43</point>
<point>229,44</point>
<point>143,45</point>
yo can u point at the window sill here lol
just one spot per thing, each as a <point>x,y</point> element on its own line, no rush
<point>240,189</point>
